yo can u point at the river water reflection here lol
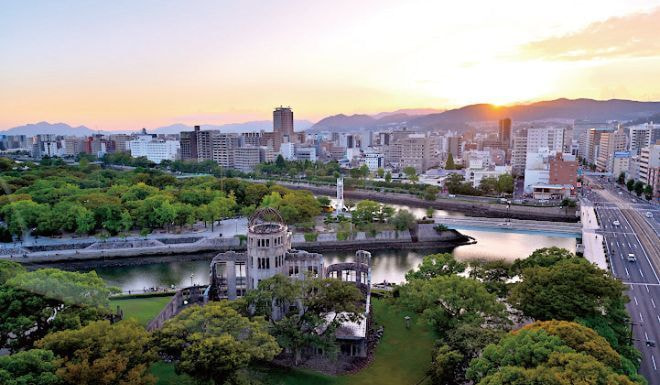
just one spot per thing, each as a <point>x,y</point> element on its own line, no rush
<point>390,265</point>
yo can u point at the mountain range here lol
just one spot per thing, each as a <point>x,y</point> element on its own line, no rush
<point>65,129</point>
<point>586,109</point>
<point>423,118</point>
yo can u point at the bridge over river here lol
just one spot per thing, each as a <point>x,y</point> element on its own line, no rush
<point>513,225</point>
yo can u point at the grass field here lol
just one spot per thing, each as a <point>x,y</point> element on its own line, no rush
<point>142,309</point>
<point>402,357</point>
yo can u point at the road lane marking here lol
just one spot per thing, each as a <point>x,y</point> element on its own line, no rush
<point>640,272</point>
<point>653,303</point>
<point>627,273</point>
<point>646,336</point>
<point>647,288</point>
<point>636,303</point>
<point>653,359</point>
<point>641,317</point>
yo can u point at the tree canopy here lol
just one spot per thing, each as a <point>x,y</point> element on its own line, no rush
<point>103,353</point>
<point>215,342</point>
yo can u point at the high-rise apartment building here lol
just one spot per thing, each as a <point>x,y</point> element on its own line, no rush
<point>551,138</point>
<point>519,152</point>
<point>282,126</point>
<point>581,134</point>
<point>188,141</point>
<point>593,147</point>
<point>649,167</point>
<point>642,136</point>
<point>609,143</point>
<point>223,147</point>
<point>505,132</point>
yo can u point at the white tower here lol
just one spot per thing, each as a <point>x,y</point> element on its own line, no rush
<point>340,195</point>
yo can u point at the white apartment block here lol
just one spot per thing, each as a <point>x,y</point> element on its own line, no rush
<point>649,163</point>
<point>288,151</point>
<point>643,135</point>
<point>156,150</point>
<point>374,161</point>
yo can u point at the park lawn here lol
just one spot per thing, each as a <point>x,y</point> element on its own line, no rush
<point>142,309</point>
<point>401,357</point>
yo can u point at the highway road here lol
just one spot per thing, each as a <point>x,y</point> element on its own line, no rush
<point>627,230</point>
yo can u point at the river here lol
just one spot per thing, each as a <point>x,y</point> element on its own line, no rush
<point>389,265</point>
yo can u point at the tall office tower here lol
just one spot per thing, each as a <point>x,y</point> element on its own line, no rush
<point>608,145</point>
<point>455,146</point>
<point>519,152</point>
<point>505,131</point>
<point>188,141</point>
<point>282,126</point>
<point>643,135</point>
<point>649,167</point>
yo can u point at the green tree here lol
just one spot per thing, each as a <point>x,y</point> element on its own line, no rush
<point>403,220</point>
<point>411,174</point>
<point>431,193</point>
<point>364,171</point>
<point>214,342</point>
<point>280,164</point>
<point>380,172</point>
<point>34,366</point>
<point>436,265</point>
<point>630,185</point>
<point>648,192</point>
<point>622,178</point>
<point>37,302</point>
<point>446,366</point>
<point>639,188</point>
<point>366,211</point>
<point>449,164</point>
<point>544,257</point>
<point>450,301</point>
<point>103,353</point>
<point>524,348</point>
<point>388,177</point>
<point>567,290</point>
<point>505,184</point>
<point>488,185</point>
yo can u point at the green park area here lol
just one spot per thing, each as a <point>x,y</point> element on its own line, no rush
<point>143,309</point>
<point>402,356</point>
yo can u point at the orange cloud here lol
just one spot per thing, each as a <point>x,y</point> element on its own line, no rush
<point>634,35</point>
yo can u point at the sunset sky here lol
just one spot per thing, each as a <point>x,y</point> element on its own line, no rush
<point>132,64</point>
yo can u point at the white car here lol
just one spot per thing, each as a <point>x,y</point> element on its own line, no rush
<point>649,214</point>
<point>632,258</point>
<point>616,223</point>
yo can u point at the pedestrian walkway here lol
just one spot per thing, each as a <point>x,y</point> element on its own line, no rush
<point>593,242</point>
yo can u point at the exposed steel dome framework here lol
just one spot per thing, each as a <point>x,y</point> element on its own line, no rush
<point>266,220</point>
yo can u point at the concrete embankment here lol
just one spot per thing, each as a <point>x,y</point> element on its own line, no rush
<point>427,238</point>
<point>469,208</point>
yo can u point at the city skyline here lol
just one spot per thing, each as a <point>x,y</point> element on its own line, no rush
<point>124,66</point>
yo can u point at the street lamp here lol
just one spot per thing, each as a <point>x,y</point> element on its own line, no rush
<point>191,278</point>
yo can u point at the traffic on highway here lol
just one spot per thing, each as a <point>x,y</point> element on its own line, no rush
<point>630,227</point>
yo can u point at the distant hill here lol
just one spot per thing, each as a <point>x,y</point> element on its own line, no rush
<point>49,128</point>
<point>65,129</point>
<point>589,109</point>
<point>409,112</point>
